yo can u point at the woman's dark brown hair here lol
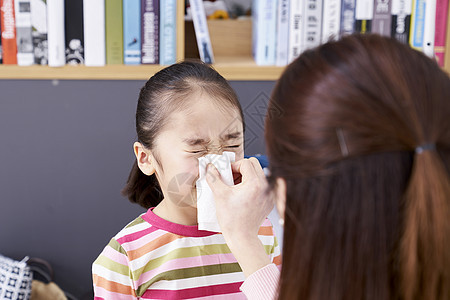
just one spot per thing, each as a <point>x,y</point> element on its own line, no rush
<point>167,91</point>
<point>362,138</point>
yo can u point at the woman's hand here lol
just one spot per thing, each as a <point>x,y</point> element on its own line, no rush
<point>241,209</point>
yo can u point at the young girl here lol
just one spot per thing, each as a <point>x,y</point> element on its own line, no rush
<point>185,111</point>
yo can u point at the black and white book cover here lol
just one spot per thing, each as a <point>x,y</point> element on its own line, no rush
<point>25,55</point>
<point>39,34</point>
<point>74,32</point>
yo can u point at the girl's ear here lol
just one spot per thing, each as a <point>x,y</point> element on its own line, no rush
<point>280,196</point>
<point>145,159</point>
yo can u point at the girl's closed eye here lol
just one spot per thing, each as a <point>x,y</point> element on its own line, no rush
<point>233,146</point>
<point>197,151</point>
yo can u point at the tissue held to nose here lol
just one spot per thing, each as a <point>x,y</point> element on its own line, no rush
<point>206,207</point>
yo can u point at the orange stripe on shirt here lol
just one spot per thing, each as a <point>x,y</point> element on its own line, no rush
<point>112,286</point>
<point>155,244</point>
<point>277,260</point>
<point>265,230</point>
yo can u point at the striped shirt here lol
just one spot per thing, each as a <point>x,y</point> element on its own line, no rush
<point>152,258</point>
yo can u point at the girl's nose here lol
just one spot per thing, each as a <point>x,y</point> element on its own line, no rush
<point>215,150</point>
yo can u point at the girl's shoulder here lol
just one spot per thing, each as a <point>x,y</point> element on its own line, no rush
<point>133,230</point>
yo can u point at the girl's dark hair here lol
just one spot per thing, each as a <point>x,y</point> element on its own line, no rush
<point>367,217</point>
<point>165,92</point>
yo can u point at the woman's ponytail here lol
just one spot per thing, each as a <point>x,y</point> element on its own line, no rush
<point>142,189</point>
<point>424,250</point>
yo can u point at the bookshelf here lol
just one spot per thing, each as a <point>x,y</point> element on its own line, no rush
<point>231,41</point>
<point>231,61</point>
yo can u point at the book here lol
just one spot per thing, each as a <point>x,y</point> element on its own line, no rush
<point>440,30</point>
<point>201,31</point>
<point>74,34</point>
<point>347,25</point>
<point>282,46</point>
<point>55,27</point>
<point>22,11</point>
<point>1,50</point>
<point>39,33</point>
<point>417,24</point>
<point>168,32</point>
<point>363,16</point>
<point>401,20</point>
<point>296,11</point>
<point>131,32</point>
<point>331,20</point>
<point>382,19</point>
<point>8,25</point>
<point>94,32</point>
<point>114,31</point>
<point>312,24</point>
<point>429,28</point>
<point>150,31</point>
<point>264,28</point>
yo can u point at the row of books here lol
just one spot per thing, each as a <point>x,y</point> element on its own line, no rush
<point>90,32</point>
<point>283,29</point>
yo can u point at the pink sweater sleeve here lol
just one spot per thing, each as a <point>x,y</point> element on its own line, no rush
<point>262,284</point>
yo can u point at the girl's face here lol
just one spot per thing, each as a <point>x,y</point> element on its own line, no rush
<point>206,127</point>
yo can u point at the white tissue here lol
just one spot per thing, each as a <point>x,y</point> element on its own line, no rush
<point>206,207</point>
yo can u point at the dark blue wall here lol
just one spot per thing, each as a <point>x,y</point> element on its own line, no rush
<point>65,153</point>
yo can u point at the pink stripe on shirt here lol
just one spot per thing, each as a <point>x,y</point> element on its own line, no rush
<point>115,256</point>
<point>211,290</point>
<point>142,241</point>
<point>136,235</point>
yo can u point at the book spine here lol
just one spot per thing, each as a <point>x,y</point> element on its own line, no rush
<point>1,49</point>
<point>401,20</point>
<point>39,34</point>
<point>270,13</point>
<point>417,24</point>
<point>114,31</point>
<point>131,32</point>
<point>22,10</point>
<point>331,20</point>
<point>429,28</point>
<point>74,32</point>
<point>150,31</point>
<point>347,25</point>
<point>440,30</point>
<point>94,32</point>
<point>168,21</point>
<point>8,25</point>
<point>381,22</point>
<point>55,26</point>
<point>296,16</point>
<point>363,16</point>
<point>264,49</point>
<point>201,31</point>
<point>282,33</point>
<point>313,24</point>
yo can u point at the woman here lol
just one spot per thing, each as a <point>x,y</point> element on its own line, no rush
<point>359,151</point>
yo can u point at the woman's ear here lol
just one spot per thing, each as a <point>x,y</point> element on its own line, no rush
<point>145,159</point>
<point>280,196</point>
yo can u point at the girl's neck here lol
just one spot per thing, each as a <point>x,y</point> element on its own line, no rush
<point>173,213</point>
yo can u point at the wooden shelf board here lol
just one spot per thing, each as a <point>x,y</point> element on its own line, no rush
<point>245,68</point>
<point>232,68</point>
<point>111,72</point>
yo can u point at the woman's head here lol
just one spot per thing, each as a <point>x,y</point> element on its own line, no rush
<point>184,111</point>
<point>366,216</point>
